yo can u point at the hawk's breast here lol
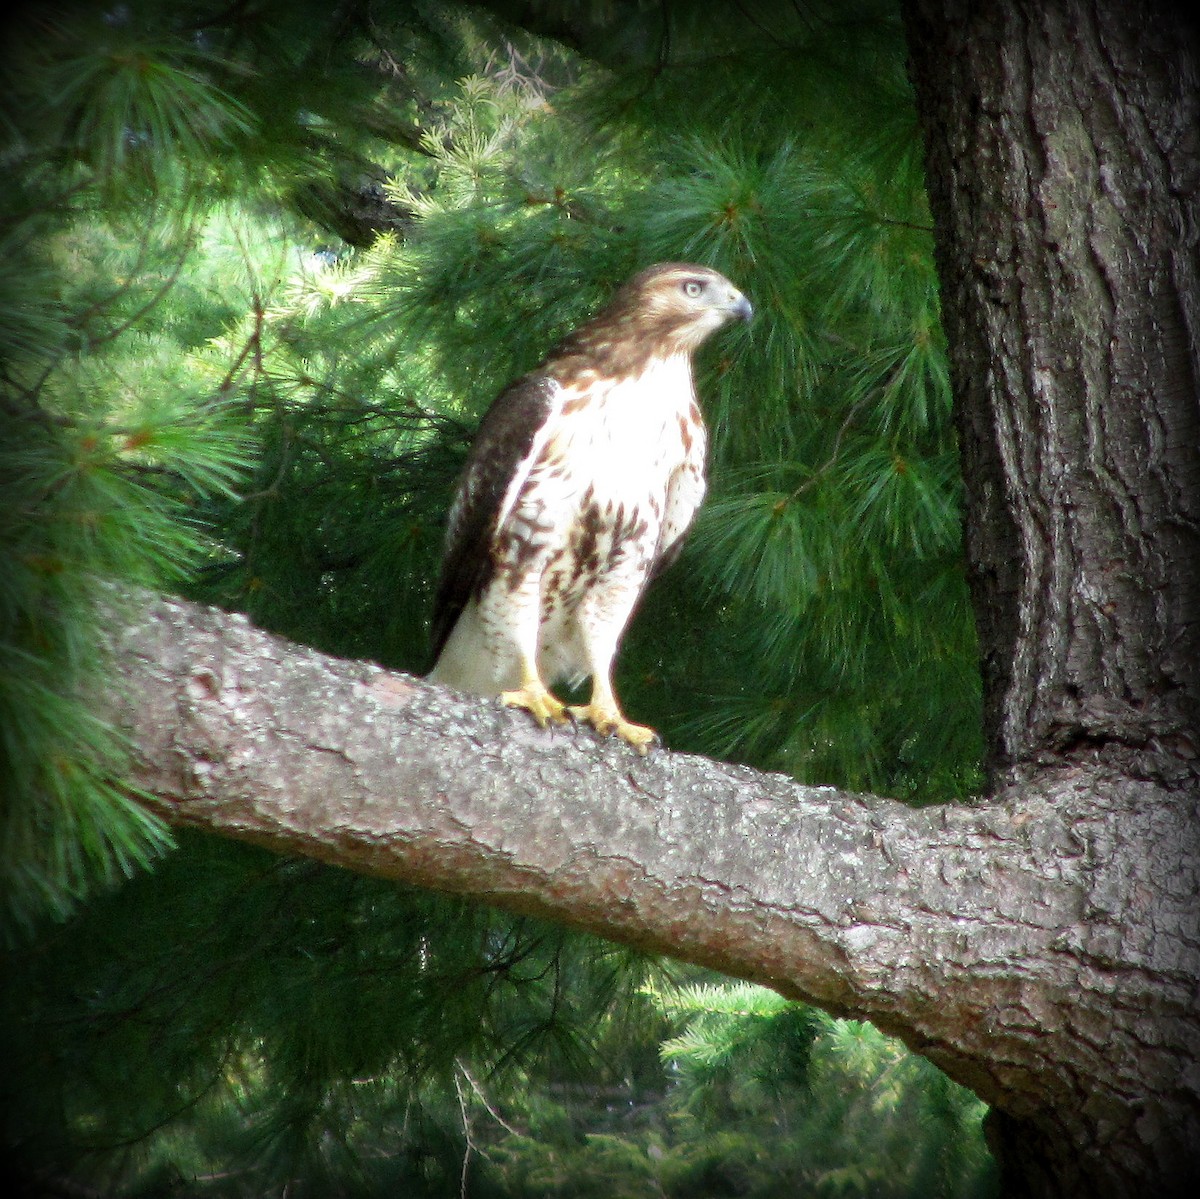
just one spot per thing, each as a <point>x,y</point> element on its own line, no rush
<point>586,515</point>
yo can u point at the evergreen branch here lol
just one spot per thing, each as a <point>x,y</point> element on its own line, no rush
<point>273,488</point>
<point>232,15</point>
<point>753,20</point>
<point>189,1104</point>
<point>32,392</point>
<point>27,221</point>
<point>80,320</point>
<point>31,410</point>
<point>899,224</point>
<point>53,1186</point>
<point>353,409</point>
<point>806,17</point>
<point>831,460</point>
<point>412,137</point>
<point>558,199</point>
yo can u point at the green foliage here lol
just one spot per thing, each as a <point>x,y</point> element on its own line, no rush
<point>745,1052</point>
<point>264,269</point>
<point>250,1005</point>
<point>107,441</point>
<point>760,1097</point>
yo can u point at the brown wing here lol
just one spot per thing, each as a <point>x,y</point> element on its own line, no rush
<point>503,442</point>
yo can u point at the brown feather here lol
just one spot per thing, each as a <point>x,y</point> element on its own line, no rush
<point>504,438</point>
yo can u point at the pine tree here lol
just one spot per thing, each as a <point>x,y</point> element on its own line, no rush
<point>268,267</point>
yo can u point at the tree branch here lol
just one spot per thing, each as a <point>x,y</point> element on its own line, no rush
<point>972,932</point>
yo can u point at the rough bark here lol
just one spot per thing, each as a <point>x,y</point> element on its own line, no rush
<point>1063,151</point>
<point>1041,948</point>
<point>1063,147</point>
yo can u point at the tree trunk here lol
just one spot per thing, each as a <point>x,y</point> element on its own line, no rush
<point>1063,153</point>
<point>1040,948</point>
<point>1064,175</point>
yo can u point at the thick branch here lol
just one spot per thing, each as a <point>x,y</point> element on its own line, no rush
<point>988,937</point>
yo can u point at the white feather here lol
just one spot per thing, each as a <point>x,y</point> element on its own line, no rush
<point>627,448</point>
<point>468,663</point>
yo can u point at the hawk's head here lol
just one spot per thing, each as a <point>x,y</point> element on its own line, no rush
<point>681,303</point>
<point>667,309</point>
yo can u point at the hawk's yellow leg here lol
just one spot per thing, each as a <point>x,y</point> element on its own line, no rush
<point>603,714</point>
<point>602,711</point>
<point>607,719</point>
<point>535,698</point>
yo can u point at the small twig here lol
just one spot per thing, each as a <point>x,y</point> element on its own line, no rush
<point>470,1144</point>
<point>491,1111</point>
<point>253,343</point>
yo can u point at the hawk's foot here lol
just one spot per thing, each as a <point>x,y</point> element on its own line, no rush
<point>535,699</point>
<point>607,721</point>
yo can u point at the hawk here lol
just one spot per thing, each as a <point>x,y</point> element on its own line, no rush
<point>578,489</point>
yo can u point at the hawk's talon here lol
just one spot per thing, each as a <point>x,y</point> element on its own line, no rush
<point>538,702</point>
<point>607,721</point>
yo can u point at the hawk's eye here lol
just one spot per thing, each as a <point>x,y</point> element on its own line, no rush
<point>692,288</point>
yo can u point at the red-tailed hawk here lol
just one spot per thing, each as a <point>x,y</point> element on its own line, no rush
<point>580,485</point>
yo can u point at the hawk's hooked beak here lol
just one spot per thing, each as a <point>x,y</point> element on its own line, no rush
<point>740,308</point>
